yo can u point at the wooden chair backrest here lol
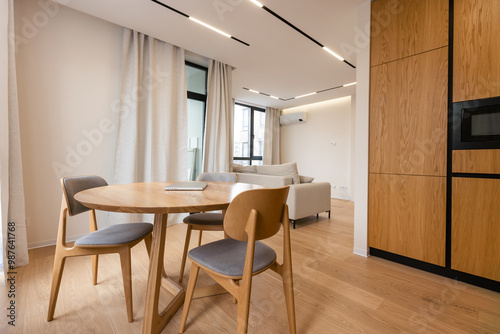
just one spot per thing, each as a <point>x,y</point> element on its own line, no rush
<point>269,205</point>
<point>73,185</point>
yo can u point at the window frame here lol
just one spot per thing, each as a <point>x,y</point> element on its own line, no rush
<point>251,157</point>
<point>201,98</point>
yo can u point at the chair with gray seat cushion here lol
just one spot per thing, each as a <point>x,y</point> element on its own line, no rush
<point>252,216</point>
<point>112,239</point>
<point>204,221</point>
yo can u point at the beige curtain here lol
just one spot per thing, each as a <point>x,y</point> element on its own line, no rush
<point>152,128</point>
<point>14,243</point>
<point>272,137</point>
<point>218,154</point>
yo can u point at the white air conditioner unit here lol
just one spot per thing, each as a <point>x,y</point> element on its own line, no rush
<point>294,118</point>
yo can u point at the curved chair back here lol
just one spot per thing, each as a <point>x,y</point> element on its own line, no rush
<point>220,177</point>
<point>270,205</point>
<point>73,185</point>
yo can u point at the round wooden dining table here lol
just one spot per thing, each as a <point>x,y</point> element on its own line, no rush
<point>152,198</point>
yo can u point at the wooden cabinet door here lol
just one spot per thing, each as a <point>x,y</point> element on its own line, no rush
<point>408,115</point>
<point>475,227</point>
<point>476,49</point>
<point>402,28</point>
<point>407,216</point>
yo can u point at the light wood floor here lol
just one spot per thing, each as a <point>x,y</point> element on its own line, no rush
<point>335,292</point>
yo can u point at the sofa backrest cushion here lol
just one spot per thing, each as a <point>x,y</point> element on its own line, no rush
<point>288,169</point>
<point>237,168</point>
<point>270,181</point>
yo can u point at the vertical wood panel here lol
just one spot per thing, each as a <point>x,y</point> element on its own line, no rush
<point>401,28</point>
<point>476,227</point>
<point>408,115</point>
<point>476,65</point>
<point>407,216</point>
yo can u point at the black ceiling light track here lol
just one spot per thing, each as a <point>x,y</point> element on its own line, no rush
<point>273,13</point>
<point>190,17</point>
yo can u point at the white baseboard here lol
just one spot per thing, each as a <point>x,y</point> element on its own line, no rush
<point>52,242</point>
<point>361,252</point>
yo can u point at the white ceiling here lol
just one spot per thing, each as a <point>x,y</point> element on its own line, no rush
<point>279,60</point>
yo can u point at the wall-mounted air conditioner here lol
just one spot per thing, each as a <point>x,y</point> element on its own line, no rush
<point>293,118</point>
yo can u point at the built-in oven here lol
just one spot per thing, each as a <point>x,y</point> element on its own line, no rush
<point>476,124</point>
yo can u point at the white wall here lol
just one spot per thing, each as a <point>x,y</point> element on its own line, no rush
<point>321,146</point>
<point>69,78</point>
<point>362,138</point>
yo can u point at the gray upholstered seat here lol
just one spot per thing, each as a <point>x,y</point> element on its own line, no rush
<point>204,221</point>
<point>112,239</point>
<point>116,234</point>
<point>227,256</point>
<point>206,218</point>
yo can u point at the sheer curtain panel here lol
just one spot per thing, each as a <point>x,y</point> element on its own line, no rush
<point>218,155</point>
<point>272,137</point>
<point>14,243</point>
<point>152,128</point>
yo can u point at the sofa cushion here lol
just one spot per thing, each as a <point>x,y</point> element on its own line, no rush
<point>306,179</point>
<point>269,181</point>
<point>237,168</point>
<point>288,169</point>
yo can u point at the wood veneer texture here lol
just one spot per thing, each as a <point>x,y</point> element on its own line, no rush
<point>402,28</point>
<point>476,48</point>
<point>476,161</point>
<point>407,216</point>
<point>476,227</point>
<point>408,115</point>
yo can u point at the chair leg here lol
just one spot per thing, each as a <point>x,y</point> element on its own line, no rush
<point>127,281</point>
<point>59,262</point>
<point>243,306</point>
<point>290,300</point>
<point>147,240</point>
<point>193,277</point>
<point>184,254</point>
<point>95,266</point>
<point>199,238</point>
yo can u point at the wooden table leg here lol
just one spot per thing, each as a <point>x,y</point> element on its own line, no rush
<point>154,321</point>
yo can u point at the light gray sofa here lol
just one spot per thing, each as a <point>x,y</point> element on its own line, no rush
<point>305,197</point>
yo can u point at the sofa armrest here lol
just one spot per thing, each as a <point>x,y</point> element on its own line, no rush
<point>305,199</point>
<point>270,181</point>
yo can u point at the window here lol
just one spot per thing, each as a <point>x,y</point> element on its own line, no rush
<point>249,125</point>
<point>196,81</point>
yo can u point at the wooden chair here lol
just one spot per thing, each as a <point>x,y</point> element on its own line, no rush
<point>204,221</point>
<point>253,215</point>
<point>112,239</point>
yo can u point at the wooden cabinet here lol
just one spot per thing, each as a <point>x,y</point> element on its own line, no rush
<point>401,28</point>
<point>476,50</point>
<point>408,128</point>
<point>407,216</point>
<point>476,161</point>
<point>408,115</point>
<point>476,227</point>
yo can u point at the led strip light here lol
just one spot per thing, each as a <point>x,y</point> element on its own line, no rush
<point>200,22</point>
<point>301,32</point>
<point>300,96</point>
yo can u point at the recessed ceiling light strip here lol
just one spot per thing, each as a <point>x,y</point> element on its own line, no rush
<point>257,92</point>
<point>270,11</point>
<point>200,22</point>
<point>300,96</point>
